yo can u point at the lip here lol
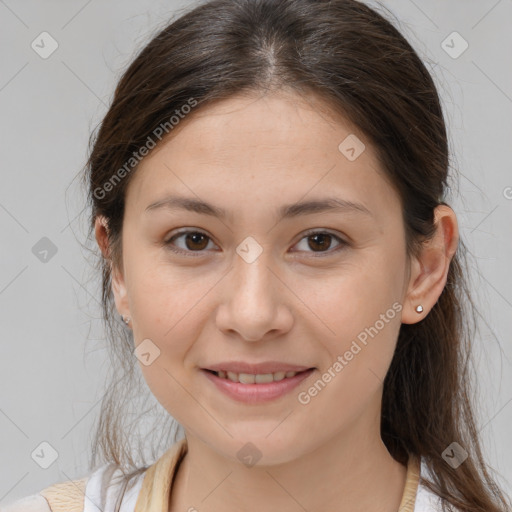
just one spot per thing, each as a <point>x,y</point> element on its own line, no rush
<point>257,393</point>
<point>258,368</point>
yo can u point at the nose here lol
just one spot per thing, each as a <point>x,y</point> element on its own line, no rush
<point>255,302</point>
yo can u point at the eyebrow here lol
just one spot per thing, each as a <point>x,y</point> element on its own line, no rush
<point>329,204</point>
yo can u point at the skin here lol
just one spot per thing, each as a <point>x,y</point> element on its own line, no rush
<point>296,303</point>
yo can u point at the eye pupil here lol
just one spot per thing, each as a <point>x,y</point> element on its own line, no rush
<point>324,243</point>
<point>195,237</point>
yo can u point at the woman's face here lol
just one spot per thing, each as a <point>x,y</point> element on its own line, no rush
<point>254,286</point>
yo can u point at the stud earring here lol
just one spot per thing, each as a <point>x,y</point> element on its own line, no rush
<point>126,319</point>
<point>419,309</point>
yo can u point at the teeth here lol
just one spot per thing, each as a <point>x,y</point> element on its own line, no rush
<point>248,378</point>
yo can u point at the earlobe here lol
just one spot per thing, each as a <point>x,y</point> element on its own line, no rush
<point>119,291</point>
<point>429,271</point>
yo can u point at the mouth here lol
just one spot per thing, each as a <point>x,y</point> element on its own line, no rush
<point>258,378</point>
<point>256,388</point>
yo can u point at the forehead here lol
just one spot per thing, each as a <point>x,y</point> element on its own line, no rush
<point>275,148</point>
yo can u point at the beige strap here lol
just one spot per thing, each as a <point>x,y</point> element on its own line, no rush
<point>156,486</point>
<point>66,496</point>
<point>411,485</point>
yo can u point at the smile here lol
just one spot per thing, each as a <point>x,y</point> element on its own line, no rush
<point>256,388</point>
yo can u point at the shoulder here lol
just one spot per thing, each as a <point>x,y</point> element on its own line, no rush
<point>102,491</point>
<point>426,500</point>
<point>33,503</point>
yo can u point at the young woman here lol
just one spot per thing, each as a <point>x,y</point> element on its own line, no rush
<point>268,193</point>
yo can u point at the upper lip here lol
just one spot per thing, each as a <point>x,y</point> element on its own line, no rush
<point>257,368</point>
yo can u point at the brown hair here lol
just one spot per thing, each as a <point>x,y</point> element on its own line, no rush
<point>355,61</point>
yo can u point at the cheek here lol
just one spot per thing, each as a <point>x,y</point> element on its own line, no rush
<point>359,312</point>
<point>162,294</point>
<point>168,312</point>
<point>167,319</point>
<point>356,359</point>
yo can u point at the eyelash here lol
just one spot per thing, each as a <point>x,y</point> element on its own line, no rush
<point>194,254</point>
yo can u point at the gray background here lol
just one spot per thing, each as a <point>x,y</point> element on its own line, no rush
<point>53,361</point>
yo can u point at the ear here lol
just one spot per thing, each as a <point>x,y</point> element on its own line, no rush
<point>118,285</point>
<point>429,270</point>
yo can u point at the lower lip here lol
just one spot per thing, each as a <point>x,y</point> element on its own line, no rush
<point>257,393</point>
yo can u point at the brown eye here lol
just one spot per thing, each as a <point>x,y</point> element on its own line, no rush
<point>195,241</point>
<point>321,242</point>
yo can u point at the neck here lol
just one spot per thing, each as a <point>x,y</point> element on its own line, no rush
<point>337,475</point>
